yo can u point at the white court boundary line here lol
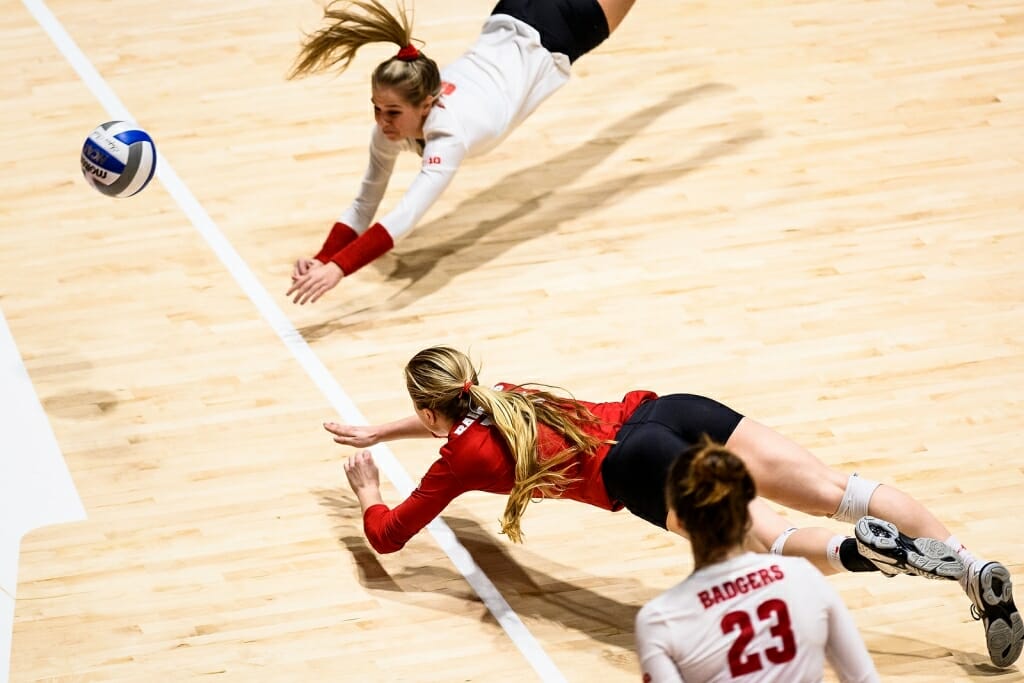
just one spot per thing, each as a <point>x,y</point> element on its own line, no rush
<point>339,400</point>
<point>36,488</point>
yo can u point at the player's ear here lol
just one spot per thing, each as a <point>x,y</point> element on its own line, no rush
<point>429,417</point>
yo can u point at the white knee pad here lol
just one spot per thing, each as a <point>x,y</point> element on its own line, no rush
<point>854,504</point>
<point>776,548</point>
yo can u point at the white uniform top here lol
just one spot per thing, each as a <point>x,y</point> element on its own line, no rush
<point>485,94</point>
<point>751,618</point>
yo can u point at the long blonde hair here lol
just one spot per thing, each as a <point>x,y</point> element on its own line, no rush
<point>355,23</point>
<point>437,378</point>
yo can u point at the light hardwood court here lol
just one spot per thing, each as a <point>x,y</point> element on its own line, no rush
<point>809,210</point>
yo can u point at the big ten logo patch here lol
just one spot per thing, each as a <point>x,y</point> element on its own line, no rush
<point>433,160</point>
<point>447,88</point>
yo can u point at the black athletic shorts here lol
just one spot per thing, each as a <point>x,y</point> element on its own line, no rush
<point>657,433</point>
<point>571,27</point>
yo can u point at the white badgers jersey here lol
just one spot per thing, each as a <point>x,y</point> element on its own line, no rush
<point>751,618</point>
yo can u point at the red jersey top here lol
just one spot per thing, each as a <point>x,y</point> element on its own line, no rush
<point>476,458</point>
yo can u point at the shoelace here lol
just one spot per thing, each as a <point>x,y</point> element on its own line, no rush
<point>975,612</point>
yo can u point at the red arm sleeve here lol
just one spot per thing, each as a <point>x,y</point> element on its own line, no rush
<point>373,243</point>
<point>388,530</point>
<point>340,236</point>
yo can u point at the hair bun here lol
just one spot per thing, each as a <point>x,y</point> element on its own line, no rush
<point>714,473</point>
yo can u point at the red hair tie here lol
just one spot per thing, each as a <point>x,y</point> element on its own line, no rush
<point>466,387</point>
<point>408,53</point>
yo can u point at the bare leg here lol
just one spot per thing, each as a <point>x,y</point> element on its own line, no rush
<point>810,543</point>
<point>615,11</point>
<point>907,514</point>
<point>789,474</point>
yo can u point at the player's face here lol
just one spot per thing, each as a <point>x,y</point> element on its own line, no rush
<point>396,117</point>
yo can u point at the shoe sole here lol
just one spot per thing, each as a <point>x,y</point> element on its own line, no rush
<point>1004,630</point>
<point>925,557</point>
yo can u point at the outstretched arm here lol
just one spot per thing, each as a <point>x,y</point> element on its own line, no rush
<point>441,158</point>
<point>364,436</point>
<point>312,277</point>
<point>359,215</point>
<point>388,530</point>
<point>364,479</point>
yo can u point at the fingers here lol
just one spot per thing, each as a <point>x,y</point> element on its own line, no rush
<point>312,292</point>
<point>335,428</point>
<point>302,267</point>
<point>360,461</point>
<point>303,288</point>
<point>318,279</point>
<point>320,292</point>
<point>296,284</point>
<point>308,289</point>
<point>349,435</point>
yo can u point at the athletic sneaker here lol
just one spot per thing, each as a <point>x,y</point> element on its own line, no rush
<point>990,589</point>
<point>895,553</point>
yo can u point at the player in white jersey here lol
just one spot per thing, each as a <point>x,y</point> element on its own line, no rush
<point>522,56</point>
<point>740,615</point>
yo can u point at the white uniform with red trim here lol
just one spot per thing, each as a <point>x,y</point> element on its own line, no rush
<point>486,93</point>
<point>751,618</point>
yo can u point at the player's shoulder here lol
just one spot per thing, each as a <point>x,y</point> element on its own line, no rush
<point>470,434</point>
<point>441,125</point>
<point>680,599</point>
<point>653,611</point>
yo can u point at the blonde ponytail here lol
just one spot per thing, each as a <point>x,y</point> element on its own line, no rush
<point>444,380</point>
<point>355,23</point>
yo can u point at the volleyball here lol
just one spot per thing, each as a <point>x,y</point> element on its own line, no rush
<point>118,158</point>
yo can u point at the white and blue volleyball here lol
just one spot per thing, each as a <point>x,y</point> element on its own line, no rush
<point>118,158</point>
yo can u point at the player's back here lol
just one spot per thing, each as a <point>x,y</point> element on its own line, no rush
<point>499,81</point>
<point>759,617</point>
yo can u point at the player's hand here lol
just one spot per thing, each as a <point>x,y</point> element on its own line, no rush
<point>302,267</point>
<point>318,280</point>
<point>362,471</point>
<point>357,436</point>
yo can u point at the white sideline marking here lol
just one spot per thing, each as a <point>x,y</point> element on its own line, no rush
<point>316,370</point>
<point>35,486</point>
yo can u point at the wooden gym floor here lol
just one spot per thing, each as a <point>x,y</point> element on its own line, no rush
<point>809,210</point>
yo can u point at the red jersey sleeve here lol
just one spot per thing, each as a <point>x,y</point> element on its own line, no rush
<point>389,529</point>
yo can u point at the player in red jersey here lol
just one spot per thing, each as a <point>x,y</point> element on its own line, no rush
<point>533,444</point>
<point>522,56</point>
<point>761,617</point>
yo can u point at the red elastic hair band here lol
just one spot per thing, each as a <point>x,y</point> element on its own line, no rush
<point>408,53</point>
<point>467,386</point>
